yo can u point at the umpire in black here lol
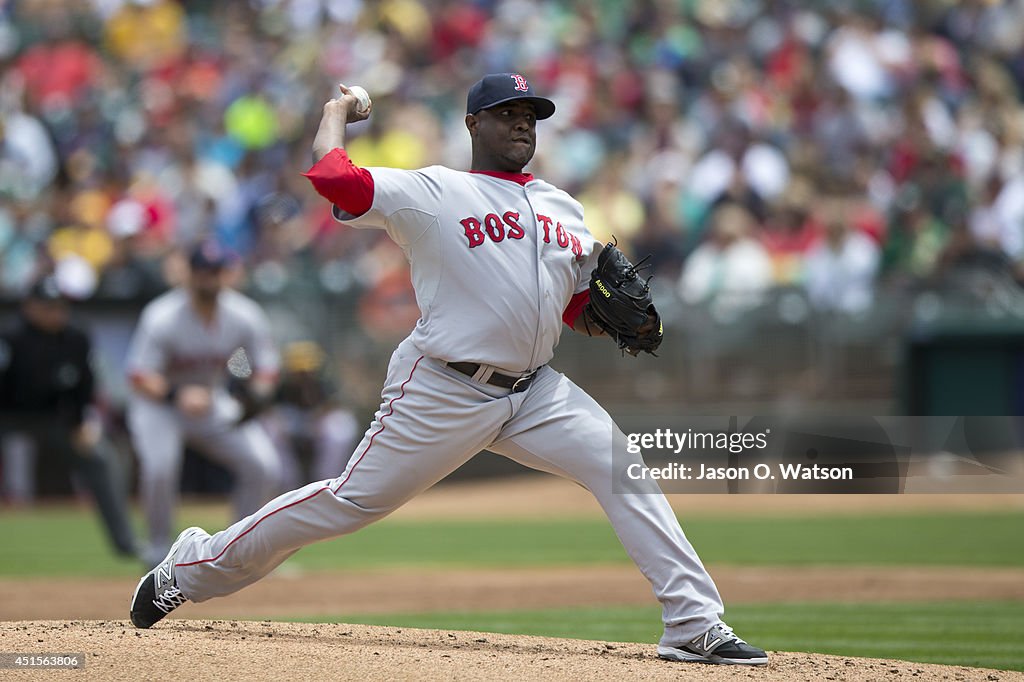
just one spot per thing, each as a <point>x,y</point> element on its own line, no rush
<point>46,384</point>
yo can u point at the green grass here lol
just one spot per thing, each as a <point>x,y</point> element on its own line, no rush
<point>69,542</point>
<point>65,541</point>
<point>989,635</point>
<point>980,540</point>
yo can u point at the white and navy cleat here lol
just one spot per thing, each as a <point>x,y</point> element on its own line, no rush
<point>719,645</point>
<point>157,593</point>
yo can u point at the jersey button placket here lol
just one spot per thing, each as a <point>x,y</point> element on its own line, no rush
<point>537,230</point>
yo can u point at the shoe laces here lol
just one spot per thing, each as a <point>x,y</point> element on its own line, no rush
<point>170,599</point>
<point>726,630</point>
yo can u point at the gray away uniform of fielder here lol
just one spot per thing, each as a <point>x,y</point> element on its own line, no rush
<point>172,340</point>
<point>494,263</point>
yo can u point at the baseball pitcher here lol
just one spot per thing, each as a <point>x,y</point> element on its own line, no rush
<point>500,260</point>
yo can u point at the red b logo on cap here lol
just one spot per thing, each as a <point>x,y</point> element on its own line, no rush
<point>521,83</point>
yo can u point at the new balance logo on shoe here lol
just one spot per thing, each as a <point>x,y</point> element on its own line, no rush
<point>163,574</point>
<point>711,640</point>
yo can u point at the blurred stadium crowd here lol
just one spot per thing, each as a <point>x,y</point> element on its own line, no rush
<point>834,146</point>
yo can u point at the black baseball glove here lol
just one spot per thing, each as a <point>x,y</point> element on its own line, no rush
<point>621,304</point>
<point>252,397</point>
<point>251,401</point>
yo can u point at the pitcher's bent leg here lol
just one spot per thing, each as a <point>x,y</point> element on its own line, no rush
<point>576,439</point>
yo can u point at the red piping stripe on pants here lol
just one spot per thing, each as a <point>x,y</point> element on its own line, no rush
<point>391,411</point>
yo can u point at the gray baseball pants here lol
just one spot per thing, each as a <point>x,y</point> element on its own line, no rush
<point>433,419</point>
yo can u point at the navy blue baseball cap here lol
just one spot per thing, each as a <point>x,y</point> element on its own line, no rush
<point>498,88</point>
<point>209,255</point>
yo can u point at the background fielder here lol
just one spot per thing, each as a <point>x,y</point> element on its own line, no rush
<point>178,369</point>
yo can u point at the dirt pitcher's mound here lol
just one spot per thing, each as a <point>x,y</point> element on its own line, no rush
<point>222,650</point>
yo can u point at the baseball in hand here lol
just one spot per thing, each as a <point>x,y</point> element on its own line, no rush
<point>363,97</point>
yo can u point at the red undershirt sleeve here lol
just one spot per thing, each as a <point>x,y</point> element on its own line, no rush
<point>575,307</point>
<point>342,183</point>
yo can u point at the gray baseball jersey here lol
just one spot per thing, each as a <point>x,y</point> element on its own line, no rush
<point>173,341</point>
<point>494,262</point>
